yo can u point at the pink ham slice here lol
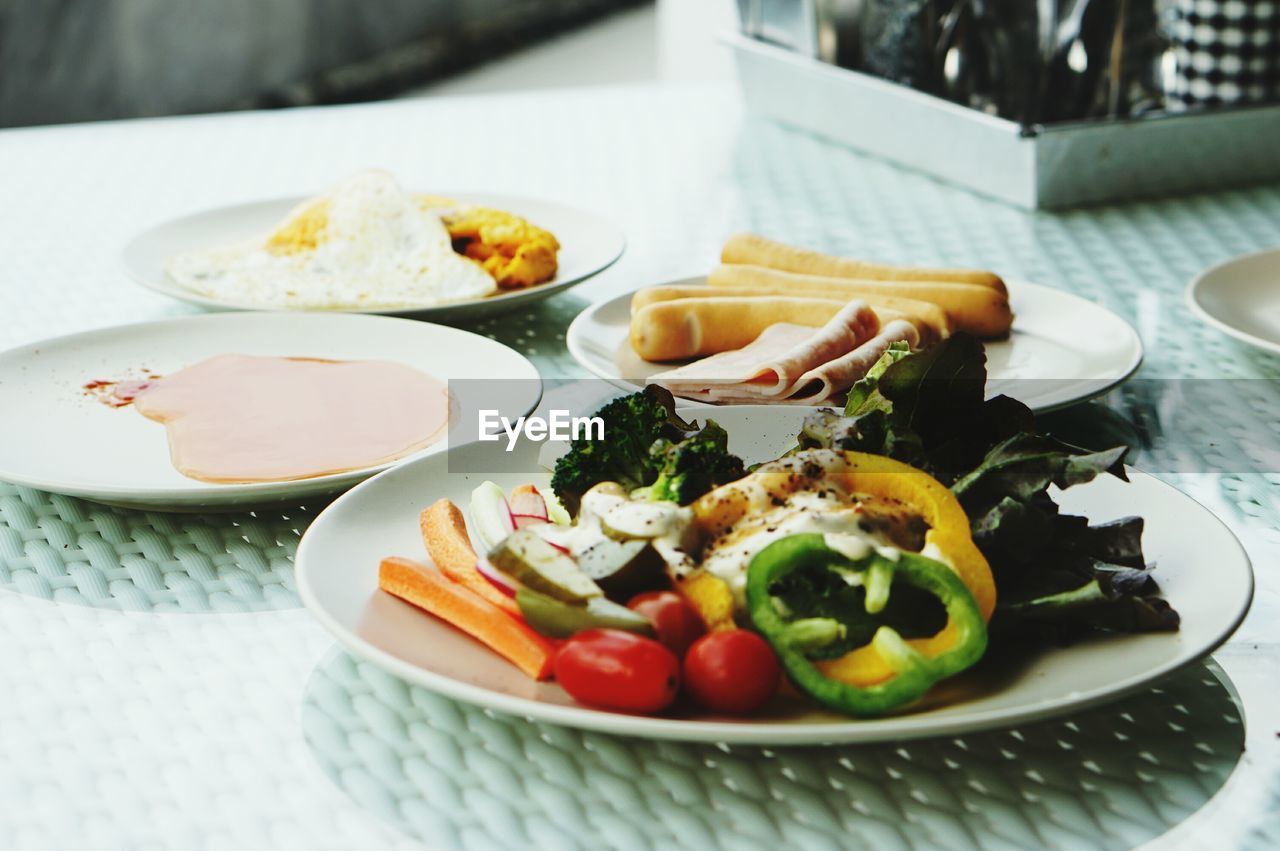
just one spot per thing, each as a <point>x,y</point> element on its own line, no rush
<point>815,385</point>
<point>771,366</point>
<point>837,376</point>
<point>834,377</point>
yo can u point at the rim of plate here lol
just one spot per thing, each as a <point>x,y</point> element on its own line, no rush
<point>902,728</point>
<point>167,286</point>
<point>187,498</point>
<point>1192,297</point>
<point>1092,388</point>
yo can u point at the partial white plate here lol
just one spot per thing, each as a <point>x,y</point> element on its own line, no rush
<point>589,244</point>
<point>1064,349</point>
<point>337,566</point>
<point>54,437</point>
<point>1241,297</point>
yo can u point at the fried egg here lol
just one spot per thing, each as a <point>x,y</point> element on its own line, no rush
<point>365,244</point>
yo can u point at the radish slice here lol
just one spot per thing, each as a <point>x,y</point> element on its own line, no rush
<point>527,502</point>
<point>490,515</point>
<point>497,578</point>
<point>524,520</point>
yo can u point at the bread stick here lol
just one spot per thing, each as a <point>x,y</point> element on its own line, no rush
<point>976,309</point>
<point>693,327</point>
<point>752,250</point>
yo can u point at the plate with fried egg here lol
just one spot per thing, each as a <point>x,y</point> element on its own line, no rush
<point>370,245</point>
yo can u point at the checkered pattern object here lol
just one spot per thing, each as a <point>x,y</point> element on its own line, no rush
<point>1227,51</point>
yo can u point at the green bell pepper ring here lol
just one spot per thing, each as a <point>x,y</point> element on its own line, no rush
<point>890,671</point>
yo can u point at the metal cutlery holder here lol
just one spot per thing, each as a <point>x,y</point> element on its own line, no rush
<point>1039,135</point>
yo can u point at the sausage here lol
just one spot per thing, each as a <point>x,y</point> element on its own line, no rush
<point>931,321</point>
<point>694,327</point>
<point>979,310</point>
<point>752,250</point>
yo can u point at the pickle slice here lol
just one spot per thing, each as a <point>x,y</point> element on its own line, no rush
<point>531,561</point>
<point>558,619</point>
<point>623,569</point>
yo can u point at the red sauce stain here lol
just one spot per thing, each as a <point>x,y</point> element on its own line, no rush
<point>117,393</point>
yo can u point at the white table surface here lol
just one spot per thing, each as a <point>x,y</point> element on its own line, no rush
<point>166,728</point>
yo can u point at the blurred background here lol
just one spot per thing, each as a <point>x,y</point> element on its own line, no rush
<point>1031,61</point>
<point>86,60</point>
<point>1067,102</point>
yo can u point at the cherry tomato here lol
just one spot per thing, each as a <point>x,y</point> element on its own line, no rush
<point>734,671</point>
<point>677,623</point>
<point>619,670</point>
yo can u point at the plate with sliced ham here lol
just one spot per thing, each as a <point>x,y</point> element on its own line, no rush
<point>1062,349</point>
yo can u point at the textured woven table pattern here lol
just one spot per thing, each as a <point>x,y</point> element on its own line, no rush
<point>1108,779</point>
<point>72,551</point>
<point>159,708</point>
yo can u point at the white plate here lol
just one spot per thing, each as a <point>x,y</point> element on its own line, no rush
<point>55,438</point>
<point>588,245</point>
<point>1242,298</point>
<point>1063,349</point>
<point>337,564</point>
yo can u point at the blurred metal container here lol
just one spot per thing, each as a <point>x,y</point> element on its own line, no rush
<point>787,23</point>
<point>1038,166</point>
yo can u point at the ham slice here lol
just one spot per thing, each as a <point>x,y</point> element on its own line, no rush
<point>771,366</point>
<point>837,376</point>
<point>822,380</point>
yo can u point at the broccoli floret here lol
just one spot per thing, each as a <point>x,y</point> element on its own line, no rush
<point>632,425</point>
<point>650,451</point>
<point>693,466</point>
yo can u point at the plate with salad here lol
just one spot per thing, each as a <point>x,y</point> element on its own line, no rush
<point>923,562</point>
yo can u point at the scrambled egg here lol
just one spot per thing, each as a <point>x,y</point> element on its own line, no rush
<point>368,244</point>
<point>303,231</point>
<point>515,251</point>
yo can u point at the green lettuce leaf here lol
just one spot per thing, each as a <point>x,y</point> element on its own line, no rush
<point>1056,575</point>
<point>1026,464</point>
<point>864,395</point>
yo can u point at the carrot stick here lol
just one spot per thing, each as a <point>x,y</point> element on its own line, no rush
<point>444,531</point>
<point>429,589</point>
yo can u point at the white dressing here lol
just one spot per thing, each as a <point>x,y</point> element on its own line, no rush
<point>930,550</point>
<point>852,547</point>
<point>821,512</point>
<point>606,509</point>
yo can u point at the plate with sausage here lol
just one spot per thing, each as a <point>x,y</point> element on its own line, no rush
<point>774,324</point>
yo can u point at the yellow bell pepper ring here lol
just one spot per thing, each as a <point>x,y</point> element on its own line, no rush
<point>711,597</point>
<point>948,539</point>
